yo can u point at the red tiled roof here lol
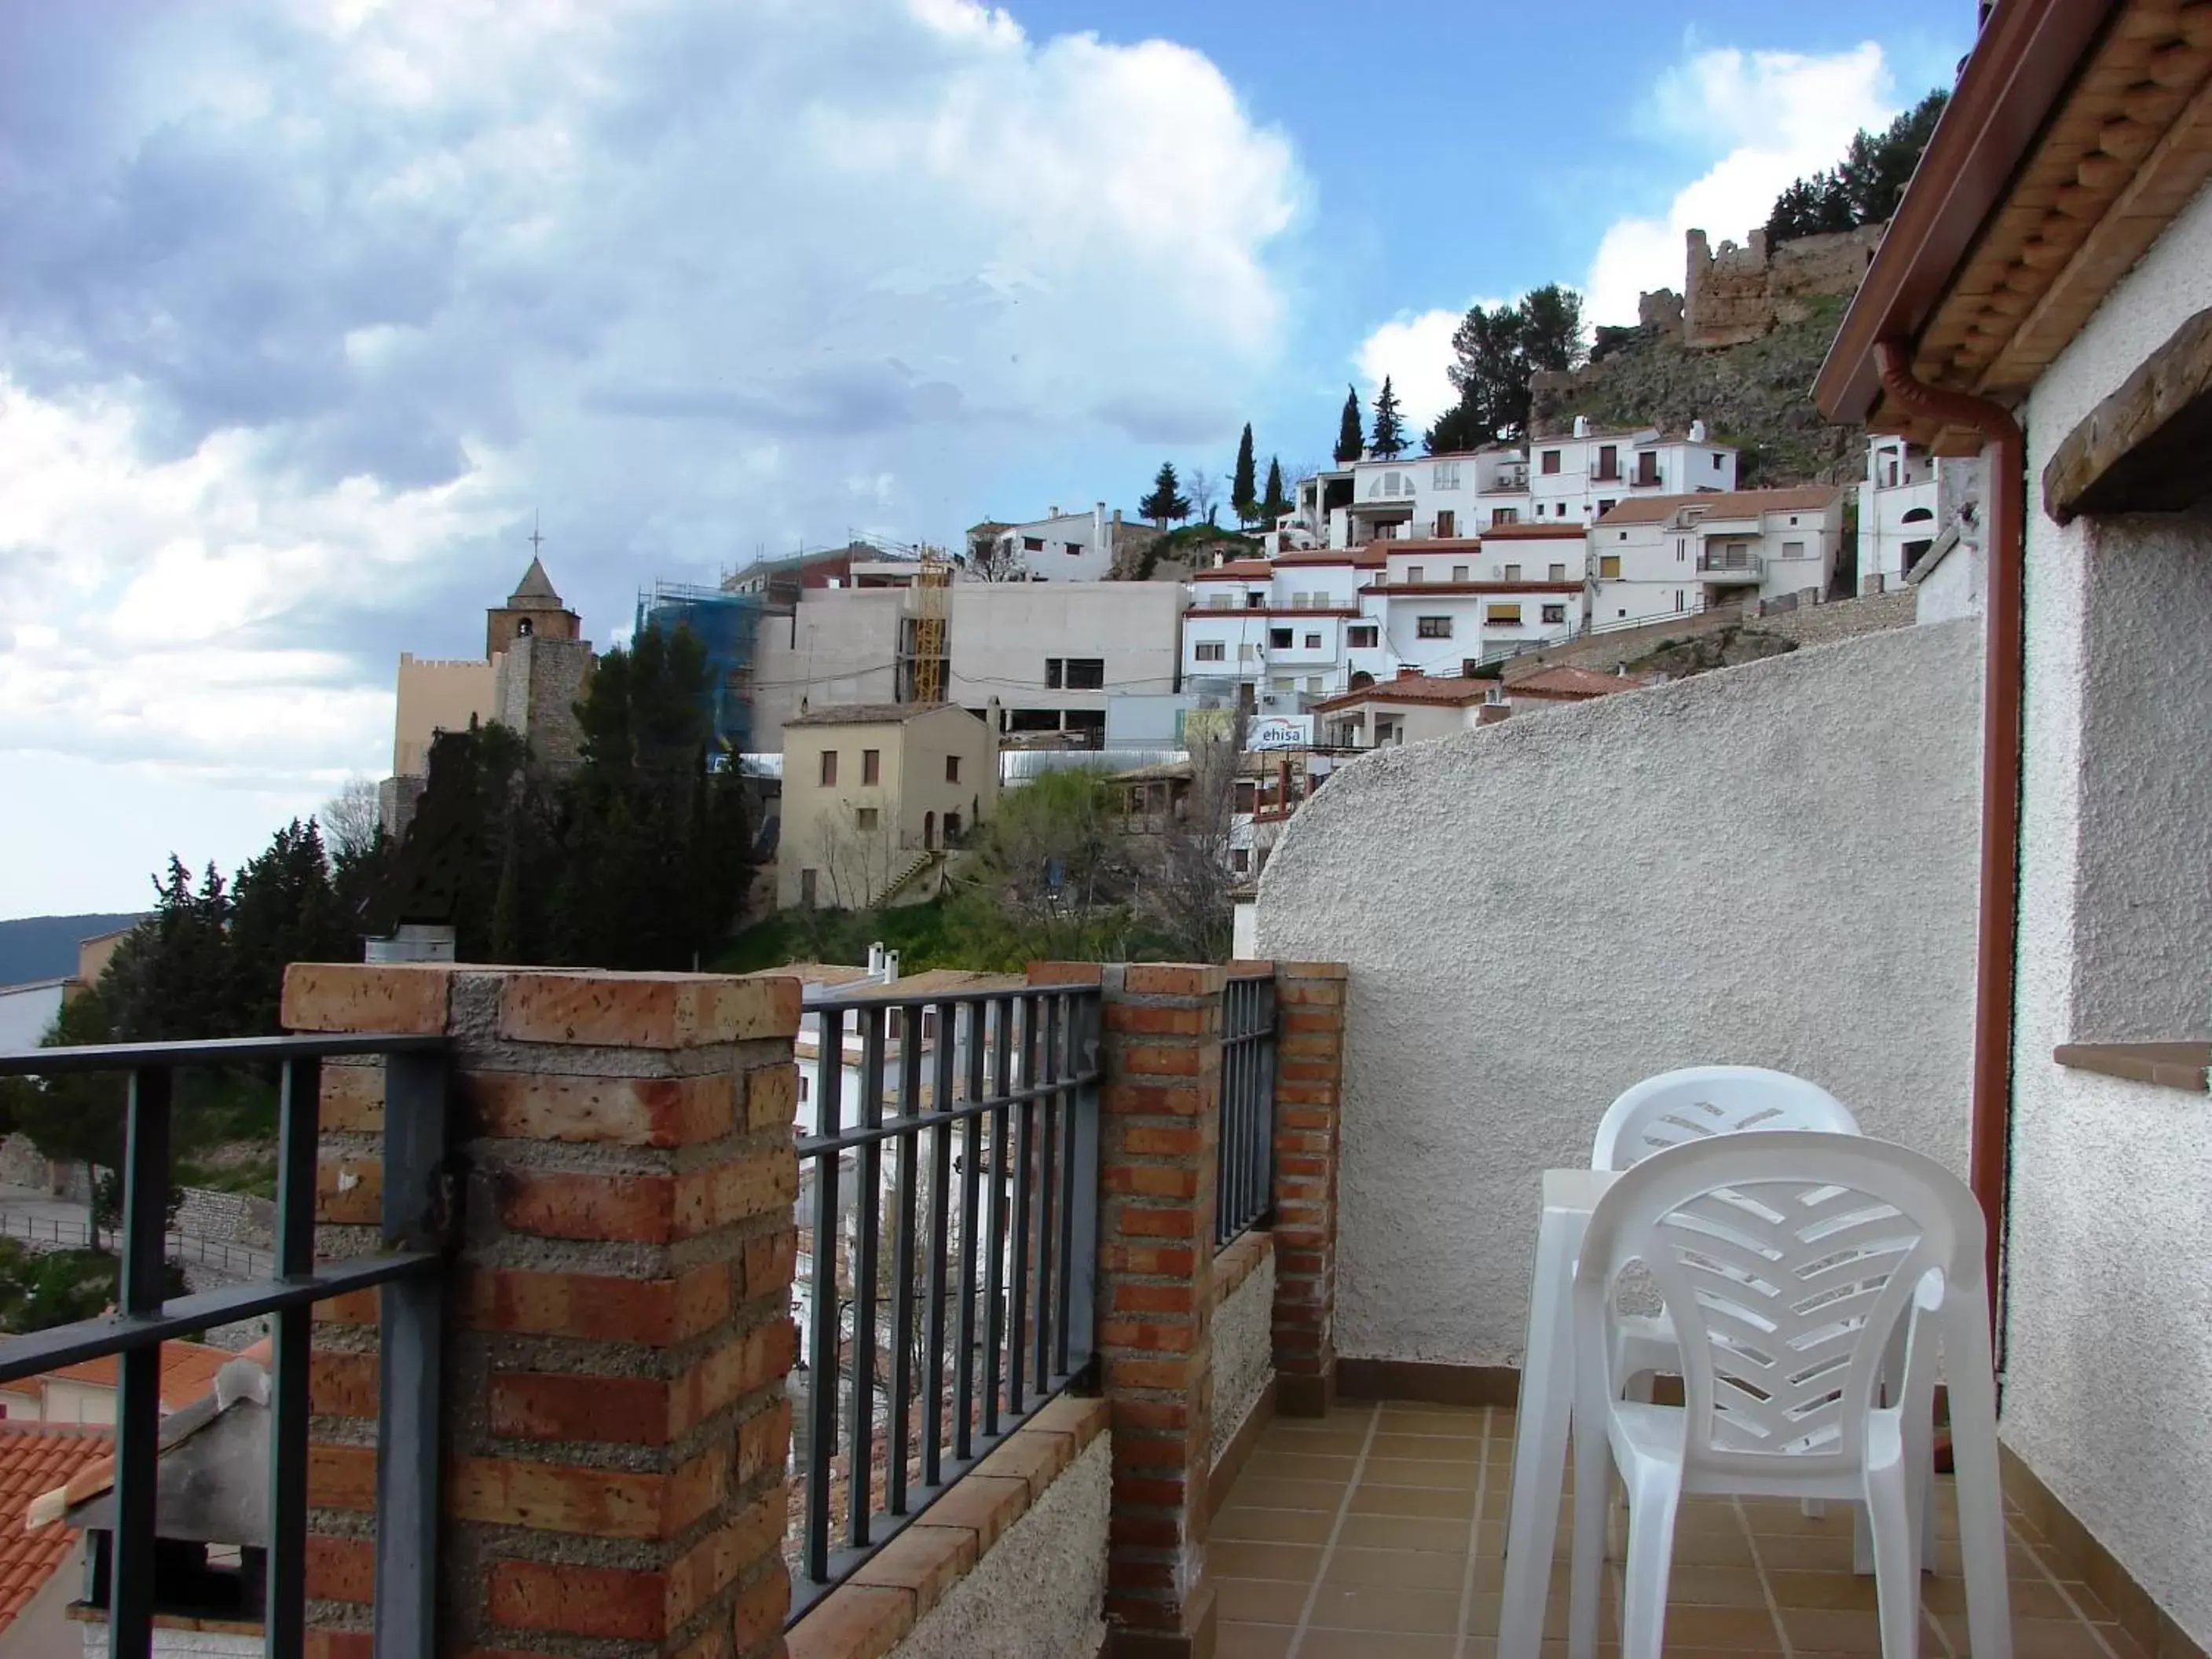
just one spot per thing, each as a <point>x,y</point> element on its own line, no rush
<point>1414,589</point>
<point>1734,504</point>
<point>1234,570</point>
<point>1397,546</point>
<point>36,1458</point>
<point>1367,553</point>
<point>1535,532</point>
<point>1564,681</point>
<point>1446,692</point>
<point>188,1371</point>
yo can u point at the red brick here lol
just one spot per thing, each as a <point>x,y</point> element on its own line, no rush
<point>1313,1020</point>
<point>645,1011</point>
<point>362,996</point>
<point>703,1299</point>
<point>925,1561</point>
<point>541,1406</point>
<point>1159,1100</point>
<point>695,1487</point>
<point>1150,1414</point>
<point>759,1613</point>
<point>1306,1070</point>
<point>1145,1531</point>
<point>765,1267</point>
<point>759,1358</point>
<point>555,1497</point>
<point>354,1308</point>
<point>339,1645</point>
<point>1126,1574</point>
<point>1156,1019</point>
<point>341,1477</point>
<point>1172,979</point>
<point>772,1096</point>
<point>1154,1299</point>
<point>731,1191</point>
<point>342,1384</point>
<point>352,1098</point>
<point>1136,1221</point>
<point>560,1204</point>
<point>1173,1376</point>
<point>341,1568</point>
<point>985,1504</point>
<point>1163,1494</point>
<point>1155,1141</point>
<point>1065,973</point>
<point>640,1111</point>
<point>603,1306</point>
<point>1147,1335</point>
<point>764,1441</point>
<point>349,1191</point>
<point>726,1555</point>
<point>1152,1060</point>
<point>857,1621</point>
<point>616,1601</point>
<point>1152,1180</point>
<point>1155,1260</point>
<point>1151,1452</point>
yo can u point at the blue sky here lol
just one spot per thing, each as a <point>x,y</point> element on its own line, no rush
<point>306,304</point>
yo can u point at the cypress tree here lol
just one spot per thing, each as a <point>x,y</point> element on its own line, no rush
<point>1276,503</point>
<point>1243,488</point>
<point>1351,440</point>
<point>1389,438</point>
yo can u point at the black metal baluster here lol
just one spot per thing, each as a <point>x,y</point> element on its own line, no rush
<point>868,1197</point>
<point>1263,1153</point>
<point>1070,1265</point>
<point>994,1271</point>
<point>138,1399</point>
<point>285,1605</point>
<point>1224,1167</point>
<point>941,1180</point>
<point>824,1315</point>
<point>903,1230</point>
<point>1046,1009</point>
<point>1025,1154</point>
<point>1083,1183</point>
<point>971,1159</point>
<point>411,1317</point>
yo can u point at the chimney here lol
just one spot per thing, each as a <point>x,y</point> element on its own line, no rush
<point>1117,515</point>
<point>1581,426</point>
<point>1697,432</point>
<point>1055,510</point>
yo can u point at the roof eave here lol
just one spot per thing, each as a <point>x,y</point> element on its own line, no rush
<point>2028,54</point>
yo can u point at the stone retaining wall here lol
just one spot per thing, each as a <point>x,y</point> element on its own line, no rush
<point>228,1217</point>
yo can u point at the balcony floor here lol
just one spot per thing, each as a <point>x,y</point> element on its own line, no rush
<point>1379,1533</point>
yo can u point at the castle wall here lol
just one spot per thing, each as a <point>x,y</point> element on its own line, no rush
<point>1738,295</point>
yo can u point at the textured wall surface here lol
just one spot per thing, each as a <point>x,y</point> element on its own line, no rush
<point>227,1218</point>
<point>1739,867</point>
<point>1038,1593</point>
<point>1243,1351</point>
<point>1844,619</point>
<point>2109,1331</point>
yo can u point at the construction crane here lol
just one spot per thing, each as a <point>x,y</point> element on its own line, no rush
<point>932,585</point>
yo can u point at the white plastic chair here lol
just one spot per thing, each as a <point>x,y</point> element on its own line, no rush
<point>1787,1259</point>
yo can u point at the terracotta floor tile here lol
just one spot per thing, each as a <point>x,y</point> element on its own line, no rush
<point>1837,1630</point>
<point>1395,1532</point>
<point>1258,1601</point>
<point>1273,1526</point>
<point>1270,1463</point>
<point>1422,1570</point>
<point>1438,1421</point>
<point>1369,1498</point>
<point>2049,1638</point>
<point>1691,1584</point>
<point>1264,1493</point>
<point>1733,1628</point>
<point>1329,1443</point>
<point>1375,1644</point>
<point>1712,1549</point>
<point>1252,1641</point>
<point>1834,1591</point>
<point>1236,1558</point>
<point>1432,1448</point>
<point>1445,1473</point>
<point>1805,1554</point>
<point>1384,1607</point>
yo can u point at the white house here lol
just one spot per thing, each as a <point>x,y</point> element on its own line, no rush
<point>1669,554</point>
<point>1063,547</point>
<point>1909,499</point>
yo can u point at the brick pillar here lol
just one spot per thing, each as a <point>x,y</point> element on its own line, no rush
<point>1308,1083</point>
<point>618,1330</point>
<point>1159,1145</point>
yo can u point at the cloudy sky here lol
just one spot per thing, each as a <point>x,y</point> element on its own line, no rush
<point>307,305</point>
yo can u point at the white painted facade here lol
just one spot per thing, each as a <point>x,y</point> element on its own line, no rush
<point>1063,547</point>
<point>1908,500</point>
<point>1666,557</point>
<point>1573,479</point>
<point>27,1013</point>
<point>2106,1345</point>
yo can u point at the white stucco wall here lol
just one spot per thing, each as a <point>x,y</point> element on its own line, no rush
<point>1040,1592</point>
<point>1737,867</point>
<point>2109,1328</point>
<point>1244,1352</point>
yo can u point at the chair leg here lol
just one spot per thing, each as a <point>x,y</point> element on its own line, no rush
<point>1896,1571</point>
<point>1651,1509</point>
<point>1593,1497</point>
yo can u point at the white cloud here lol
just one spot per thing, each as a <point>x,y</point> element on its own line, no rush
<point>1413,352</point>
<point>310,305</point>
<point>1757,120</point>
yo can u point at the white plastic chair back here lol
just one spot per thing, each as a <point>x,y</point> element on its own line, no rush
<point>1700,1102</point>
<point>1787,1260</point>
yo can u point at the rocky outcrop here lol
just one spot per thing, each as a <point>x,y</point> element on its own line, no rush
<point>1743,294</point>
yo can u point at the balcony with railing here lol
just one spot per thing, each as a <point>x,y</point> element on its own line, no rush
<point>1723,566</point>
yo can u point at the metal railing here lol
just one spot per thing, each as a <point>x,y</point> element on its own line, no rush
<point>1245,1190</point>
<point>419,1212</point>
<point>1733,563</point>
<point>984,1222</point>
<point>240,1261</point>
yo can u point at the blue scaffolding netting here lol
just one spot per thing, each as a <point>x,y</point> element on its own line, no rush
<point>726,624</point>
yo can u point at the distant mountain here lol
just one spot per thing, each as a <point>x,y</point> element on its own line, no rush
<point>44,947</point>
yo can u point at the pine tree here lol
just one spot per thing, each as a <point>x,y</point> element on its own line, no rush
<point>1351,440</point>
<point>1276,503</point>
<point>1166,502</point>
<point>1243,488</point>
<point>1389,440</point>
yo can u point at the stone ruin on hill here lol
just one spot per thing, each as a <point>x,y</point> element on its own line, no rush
<point>1743,293</point>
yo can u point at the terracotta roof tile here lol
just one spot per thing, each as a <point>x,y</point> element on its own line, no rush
<point>1234,570</point>
<point>1566,681</point>
<point>188,1371</point>
<point>1538,532</point>
<point>1445,691</point>
<point>36,1458</point>
<point>1734,504</point>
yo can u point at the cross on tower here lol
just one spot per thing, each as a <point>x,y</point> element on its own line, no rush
<point>537,541</point>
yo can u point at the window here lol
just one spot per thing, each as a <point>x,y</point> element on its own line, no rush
<point>864,818</point>
<point>1444,475</point>
<point>1279,638</point>
<point>1793,549</point>
<point>1459,573</point>
<point>1551,460</point>
<point>1506,614</point>
<point>1608,463</point>
<point>522,627</point>
<point>871,766</point>
<point>1604,507</point>
<point>1248,653</point>
<point>951,828</point>
<point>1608,565</point>
<point>1559,573</point>
<point>829,766</point>
<point>1255,601</point>
<point>1361,638</point>
<point>1086,673</point>
<point>1678,599</point>
<point>1447,522</point>
<point>1313,684</point>
<point>1313,641</point>
<point>1032,544</point>
<point>1210,651</point>
<point>1681,548</point>
<point>1468,666</point>
<point>1717,463</point>
<point>1555,613</point>
<point>1512,573</point>
<point>1054,673</point>
<point>1074,549</point>
<point>1433,628</point>
<point>1647,469</point>
<point>952,775</point>
<point>1415,573</point>
<point>1793,521</point>
<point>1240,860</point>
<point>1499,515</point>
<point>1219,601</point>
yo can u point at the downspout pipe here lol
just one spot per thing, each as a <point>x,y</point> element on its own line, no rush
<point>2003,666</point>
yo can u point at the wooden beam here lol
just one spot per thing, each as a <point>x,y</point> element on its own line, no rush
<point>2142,449</point>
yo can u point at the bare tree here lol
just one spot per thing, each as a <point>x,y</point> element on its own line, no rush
<point>351,818</point>
<point>856,860</point>
<point>1185,889</point>
<point>1205,492</point>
